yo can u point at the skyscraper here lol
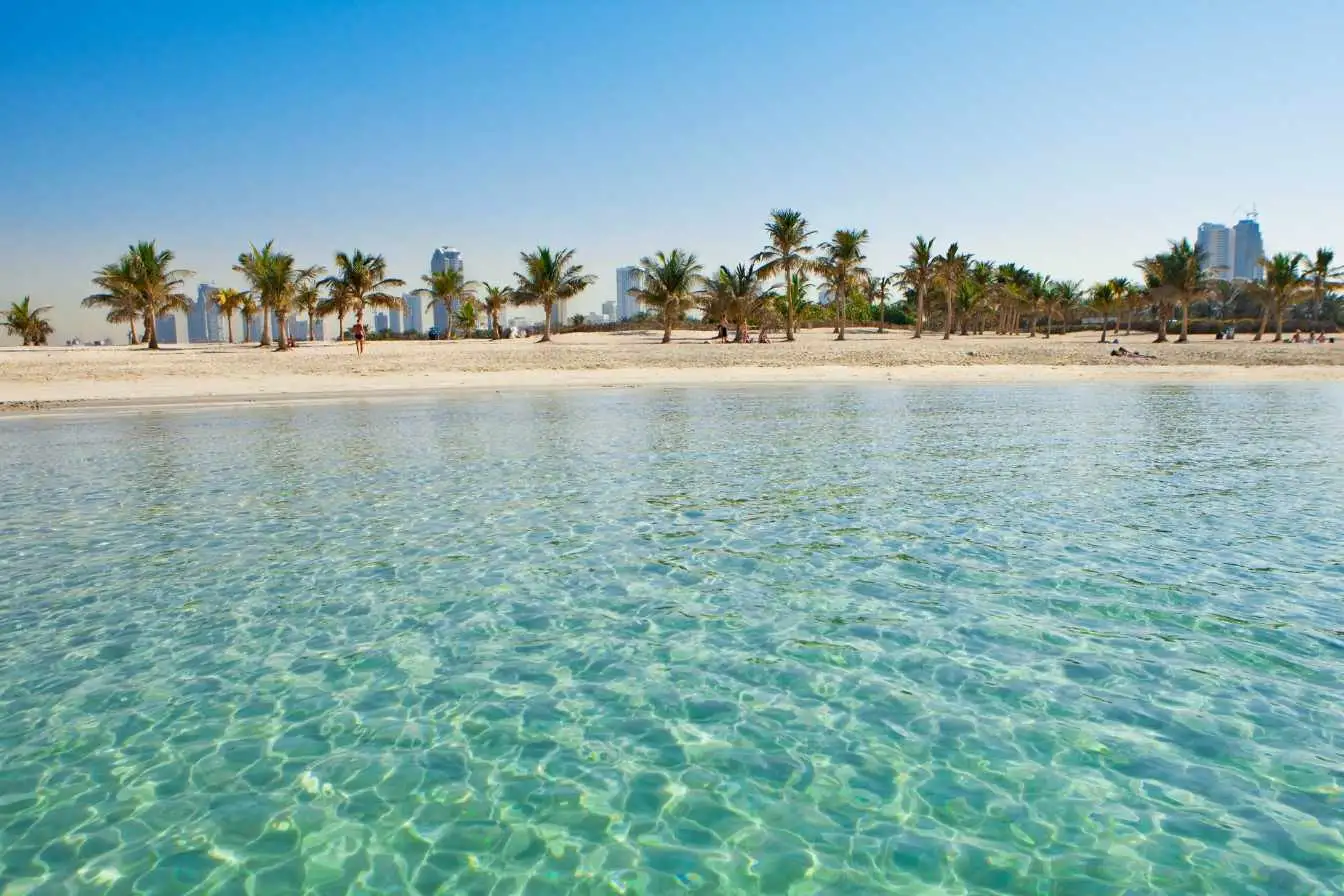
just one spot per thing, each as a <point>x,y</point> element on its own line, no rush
<point>1247,250</point>
<point>380,322</point>
<point>559,314</point>
<point>394,321</point>
<point>444,258</point>
<point>627,306</point>
<point>165,328</point>
<point>415,320</point>
<point>1215,242</point>
<point>203,323</point>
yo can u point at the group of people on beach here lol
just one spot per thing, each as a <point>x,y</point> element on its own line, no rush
<point>1318,338</point>
<point>722,335</point>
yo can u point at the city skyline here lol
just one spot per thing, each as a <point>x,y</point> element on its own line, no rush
<point>1104,164</point>
<point>1232,253</point>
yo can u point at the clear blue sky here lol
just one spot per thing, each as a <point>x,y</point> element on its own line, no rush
<point>1068,136</point>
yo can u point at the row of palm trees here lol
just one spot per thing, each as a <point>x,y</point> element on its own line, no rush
<point>974,294</point>
<point>143,285</point>
<point>970,295</point>
<point>1180,277</point>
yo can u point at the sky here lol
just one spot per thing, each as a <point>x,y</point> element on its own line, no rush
<point>1069,137</point>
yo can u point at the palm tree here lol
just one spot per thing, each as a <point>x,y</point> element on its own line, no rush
<point>1324,275</point>
<point>308,297</point>
<point>950,269</point>
<point>449,289</point>
<point>277,282</point>
<point>1159,273</point>
<point>979,291</point>
<point>1127,298</point>
<point>229,300</point>
<point>1177,275</point>
<point>145,277</point>
<point>842,268</point>
<point>1064,299</point>
<point>746,299</point>
<point>361,282</point>
<point>1105,302</point>
<point>548,277</point>
<point>1284,282</point>
<point>466,316</point>
<point>918,274</point>
<point>666,284</point>
<point>794,300</point>
<point>876,290</point>
<point>338,302</point>
<point>259,267</point>
<point>119,297</point>
<point>495,300</point>
<point>248,308</point>
<point>785,254</point>
<point>26,322</point>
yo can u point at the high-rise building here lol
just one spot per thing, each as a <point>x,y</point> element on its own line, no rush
<point>1232,253</point>
<point>1247,250</point>
<point>444,258</point>
<point>609,310</point>
<point>380,322</point>
<point>559,314</point>
<point>1215,242</point>
<point>415,319</point>
<point>394,320</point>
<point>203,320</point>
<point>165,328</point>
<point>627,306</point>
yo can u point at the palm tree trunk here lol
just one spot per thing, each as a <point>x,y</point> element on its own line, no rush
<point>546,325</point>
<point>790,325</point>
<point>882,321</point>
<point>1264,324</point>
<point>919,312</point>
<point>667,325</point>
<point>133,331</point>
<point>312,327</point>
<point>1278,323</point>
<point>265,326</point>
<point>1185,321</point>
<point>1161,324</point>
<point>281,343</point>
<point>151,331</point>
<point>340,326</point>
<point>1103,328</point>
<point>947,325</point>
<point>229,322</point>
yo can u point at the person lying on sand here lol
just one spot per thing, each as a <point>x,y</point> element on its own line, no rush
<point>1123,352</point>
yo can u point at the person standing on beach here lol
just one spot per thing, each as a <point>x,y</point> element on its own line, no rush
<point>357,331</point>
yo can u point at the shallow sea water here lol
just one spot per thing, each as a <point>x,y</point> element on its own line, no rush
<point>815,640</point>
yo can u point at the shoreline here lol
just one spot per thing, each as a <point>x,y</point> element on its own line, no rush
<point>131,395</point>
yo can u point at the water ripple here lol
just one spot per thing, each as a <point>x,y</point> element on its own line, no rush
<point>830,640</point>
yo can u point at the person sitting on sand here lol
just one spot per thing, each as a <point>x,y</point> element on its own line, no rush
<point>1297,335</point>
<point>763,338</point>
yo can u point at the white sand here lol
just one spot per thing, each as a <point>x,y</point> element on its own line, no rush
<point>199,374</point>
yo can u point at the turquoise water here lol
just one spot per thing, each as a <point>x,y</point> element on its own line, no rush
<point>841,640</point>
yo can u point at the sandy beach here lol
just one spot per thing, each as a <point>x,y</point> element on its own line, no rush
<point>47,378</point>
